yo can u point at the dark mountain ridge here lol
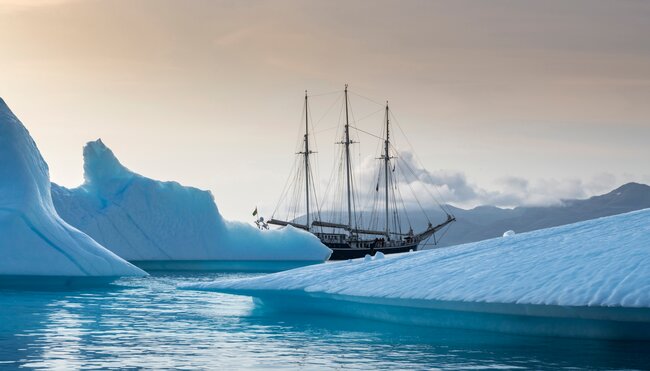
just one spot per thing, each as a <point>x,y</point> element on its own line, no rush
<point>485,222</point>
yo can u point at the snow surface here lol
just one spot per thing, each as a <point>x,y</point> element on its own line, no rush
<point>602,265</point>
<point>142,219</point>
<point>600,262</point>
<point>34,240</point>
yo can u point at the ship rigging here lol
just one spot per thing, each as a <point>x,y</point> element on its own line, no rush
<point>349,237</point>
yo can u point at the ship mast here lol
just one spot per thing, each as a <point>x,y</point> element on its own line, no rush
<point>347,158</point>
<point>306,153</point>
<point>386,166</point>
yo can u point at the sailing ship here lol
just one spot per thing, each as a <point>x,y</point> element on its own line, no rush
<point>348,237</point>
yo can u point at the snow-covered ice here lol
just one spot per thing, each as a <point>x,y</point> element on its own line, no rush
<point>588,279</point>
<point>145,220</point>
<point>34,240</point>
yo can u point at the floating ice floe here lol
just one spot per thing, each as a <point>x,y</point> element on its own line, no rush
<point>508,233</point>
<point>588,279</point>
<point>164,225</point>
<point>36,246</point>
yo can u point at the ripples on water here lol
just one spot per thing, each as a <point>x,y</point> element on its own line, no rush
<point>148,323</point>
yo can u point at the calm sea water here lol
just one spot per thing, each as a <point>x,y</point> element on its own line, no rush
<point>148,323</point>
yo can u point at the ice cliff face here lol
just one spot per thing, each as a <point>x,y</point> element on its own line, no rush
<point>34,240</point>
<point>141,219</point>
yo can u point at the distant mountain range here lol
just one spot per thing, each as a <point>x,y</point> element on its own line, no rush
<point>485,222</point>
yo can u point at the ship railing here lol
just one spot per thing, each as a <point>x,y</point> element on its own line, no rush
<point>284,223</point>
<point>319,223</point>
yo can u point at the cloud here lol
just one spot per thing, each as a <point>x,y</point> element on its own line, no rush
<point>516,191</point>
<point>450,186</point>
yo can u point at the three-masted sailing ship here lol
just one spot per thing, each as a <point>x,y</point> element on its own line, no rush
<point>348,237</point>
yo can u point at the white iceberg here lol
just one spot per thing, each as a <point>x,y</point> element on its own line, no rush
<point>588,279</point>
<point>164,225</point>
<point>36,245</point>
<point>508,233</point>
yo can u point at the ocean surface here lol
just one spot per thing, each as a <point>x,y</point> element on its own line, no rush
<point>146,323</point>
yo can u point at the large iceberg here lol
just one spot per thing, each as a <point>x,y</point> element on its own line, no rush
<point>36,245</point>
<point>164,225</point>
<point>588,279</point>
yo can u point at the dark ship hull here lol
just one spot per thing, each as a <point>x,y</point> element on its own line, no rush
<point>345,251</point>
<point>344,248</point>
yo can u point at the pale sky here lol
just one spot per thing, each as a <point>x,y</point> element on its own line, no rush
<point>507,102</point>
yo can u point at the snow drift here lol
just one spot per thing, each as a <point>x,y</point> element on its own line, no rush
<point>34,240</point>
<point>588,279</point>
<point>147,221</point>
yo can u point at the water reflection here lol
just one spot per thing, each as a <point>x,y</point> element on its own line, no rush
<point>147,323</point>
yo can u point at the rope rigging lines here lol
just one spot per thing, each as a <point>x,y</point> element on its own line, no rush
<point>384,182</point>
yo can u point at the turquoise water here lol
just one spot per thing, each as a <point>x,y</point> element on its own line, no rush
<point>148,323</point>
